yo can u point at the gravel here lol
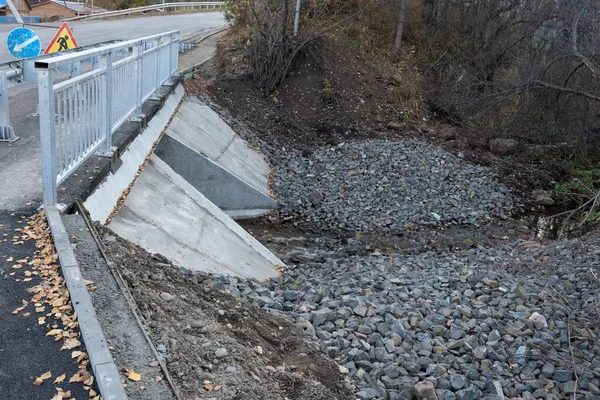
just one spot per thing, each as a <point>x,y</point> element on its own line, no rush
<point>455,322</point>
<point>383,185</point>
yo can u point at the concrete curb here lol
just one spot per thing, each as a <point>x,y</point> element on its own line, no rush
<point>193,69</point>
<point>104,368</point>
<point>219,30</point>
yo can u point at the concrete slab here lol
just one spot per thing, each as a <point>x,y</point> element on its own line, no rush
<point>228,192</point>
<point>102,202</point>
<point>200,128</point>
<point>165,214</point>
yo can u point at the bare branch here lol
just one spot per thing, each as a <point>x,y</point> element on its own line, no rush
<point>568,90</point>
<point>574,38</point>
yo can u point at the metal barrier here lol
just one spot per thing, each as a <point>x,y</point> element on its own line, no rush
<point>79,115</point>
<point>200,5</point>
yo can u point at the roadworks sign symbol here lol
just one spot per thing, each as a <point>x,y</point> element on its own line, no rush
<point>63,40</point>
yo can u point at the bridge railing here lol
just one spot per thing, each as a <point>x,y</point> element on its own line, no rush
<point>79,115</point>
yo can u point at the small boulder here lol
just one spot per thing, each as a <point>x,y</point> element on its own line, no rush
<point>448,133</point>
<point>396,126</point>
<point>503,147</point>
<point>542,198</point>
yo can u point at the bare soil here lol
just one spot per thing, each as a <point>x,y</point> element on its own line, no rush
<point>268,357</point>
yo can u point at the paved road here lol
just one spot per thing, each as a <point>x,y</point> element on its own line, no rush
<point>131,28</point>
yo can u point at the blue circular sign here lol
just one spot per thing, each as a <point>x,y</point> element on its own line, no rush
<point>23,43</point>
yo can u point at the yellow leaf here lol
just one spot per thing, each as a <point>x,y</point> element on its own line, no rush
<point>76,378</point>
<point>158,379</point>
<point>209,386</point>
<point>60,378</point>
<point>132,375</point>
<point>218,387</point>
<point>38,381</point>
<point>92,393</point>
<point>75,354</point>
<point>88,282</point>
<point>9,259</point>
<point>46,375</point>
<point>53,332</point>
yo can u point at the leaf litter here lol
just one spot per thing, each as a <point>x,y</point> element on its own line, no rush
<point>50,297</point>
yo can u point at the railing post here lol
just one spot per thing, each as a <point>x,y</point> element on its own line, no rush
<point>106,62</point>
<point>170,57</point>
<point>7,134</point>
<point>156,83</point>
<point>139,68</point>
<point>47,136</point>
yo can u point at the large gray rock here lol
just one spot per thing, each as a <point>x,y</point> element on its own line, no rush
<point>425,391</point>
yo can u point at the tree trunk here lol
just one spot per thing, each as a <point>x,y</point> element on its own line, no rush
<point>400,27</point>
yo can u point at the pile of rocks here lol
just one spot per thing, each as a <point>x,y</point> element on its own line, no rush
<point>454,326</point>
<point>383,185</point>
<point>379,185</point>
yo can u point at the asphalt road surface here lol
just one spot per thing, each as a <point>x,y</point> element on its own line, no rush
<point>91,32</point>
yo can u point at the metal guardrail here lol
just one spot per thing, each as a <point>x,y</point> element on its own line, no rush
<point>15,72</point>
<point>208,5</point>
<point>79,115</point>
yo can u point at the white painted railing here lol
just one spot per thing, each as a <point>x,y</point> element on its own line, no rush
<point>79,115</point>
<point>189,5</point>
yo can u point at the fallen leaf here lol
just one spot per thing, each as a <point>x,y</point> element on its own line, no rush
<point>18,310</point>
<point>89,381</point>
<point>40,379</point>
<point>60,378</point>
<point>132,375</point>
<point>158,379</point>
<point>71,344</point>
<point>218,387</point>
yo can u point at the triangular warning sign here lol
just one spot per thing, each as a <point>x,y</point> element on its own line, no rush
<point>63,40</point>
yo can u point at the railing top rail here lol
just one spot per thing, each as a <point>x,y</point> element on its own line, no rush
<point>67,59</point>
<point>145,8</point>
